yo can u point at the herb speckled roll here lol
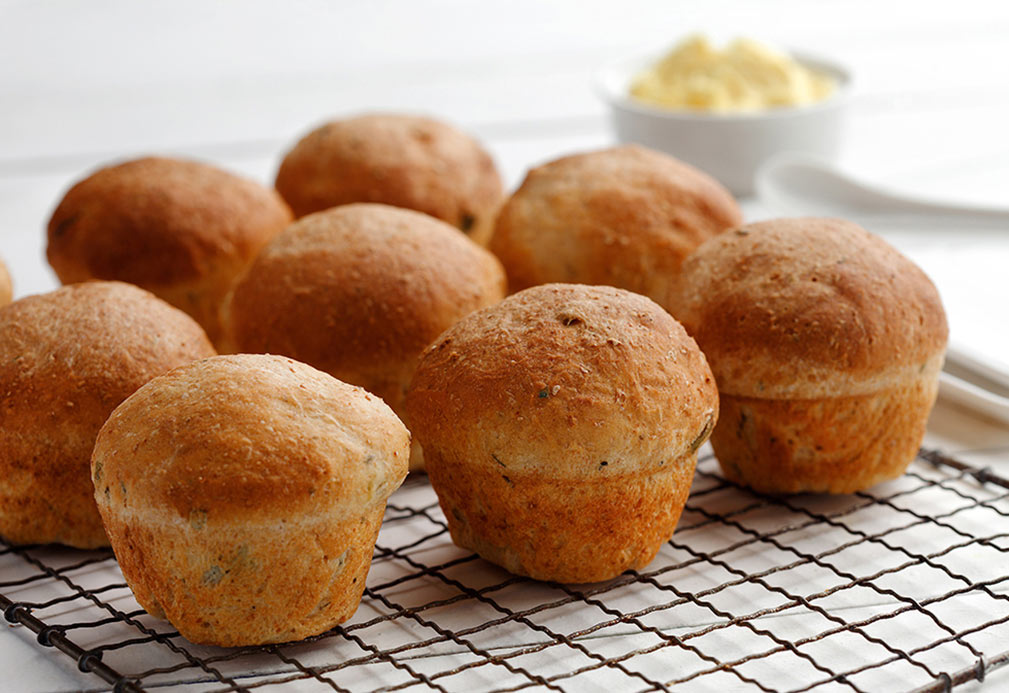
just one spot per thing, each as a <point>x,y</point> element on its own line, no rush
<point>401,160</point>
<point>183,230</point>
<point>826,343</point>
<point>625,217</point>
<point>359,291</point>
<point>561,429</point>
<point>243,495</point>
<point>67,359</point>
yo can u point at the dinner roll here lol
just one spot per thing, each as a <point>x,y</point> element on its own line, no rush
<point>181,229</point>
<point>243,495</point>
<point>826,344</point>
<point>67,359</point>
<point>399,160</point>
<point>6,287</point>
<point>624,217</point>
<point>561,427</point>
<point>358,291</point>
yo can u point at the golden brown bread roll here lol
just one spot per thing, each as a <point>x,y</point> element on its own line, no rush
<point>624,217</point>
<point>560,429</point>
<point>243,495</point>
<point>6,287</point>
<point>400,160</point>
<point>826,344</point>
<point>181,229</point>
<point>359,290</point>
<point>67,359</point>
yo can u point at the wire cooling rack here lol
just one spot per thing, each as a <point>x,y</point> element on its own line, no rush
<point>903,587</point>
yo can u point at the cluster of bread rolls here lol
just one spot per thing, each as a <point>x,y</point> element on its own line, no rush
<point>242,494</point>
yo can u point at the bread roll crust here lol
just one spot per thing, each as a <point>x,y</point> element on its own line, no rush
<point>809,307</point>
<point>564,530</point>
<point>539,414</point>
<point>359,291</point>
<point>243,495</point>
<point>400,160</point>
<point>826,344</point>
<point>626,217</point>
<point>67,359</point>
<point>179,570</point>
<point>826,444</point>
<point>6,286</point>
<point>184,230</point>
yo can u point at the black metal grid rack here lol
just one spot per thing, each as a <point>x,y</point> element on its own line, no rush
<point>903,587</point>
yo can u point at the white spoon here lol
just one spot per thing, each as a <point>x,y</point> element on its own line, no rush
<point>943,238</point>
<point>792,181</point>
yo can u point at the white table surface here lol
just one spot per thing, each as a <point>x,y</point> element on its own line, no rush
<point>83,83</point>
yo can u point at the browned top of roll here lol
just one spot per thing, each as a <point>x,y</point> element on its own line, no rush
<point>808,307</point>
<point>625,217</point>
<point>6,287</point>
<point>67,359</point>
<point>157,221</point>
<point>359,290</point>
<point>247,438</point>
<point>77,352</point>
<point>400,160</point>
<point>561,378</point>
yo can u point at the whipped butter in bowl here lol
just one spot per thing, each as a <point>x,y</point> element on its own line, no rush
<point>728,109</point>
<point>745,76</point>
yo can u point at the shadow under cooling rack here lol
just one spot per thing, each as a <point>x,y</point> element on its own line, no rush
<point>903,587</point>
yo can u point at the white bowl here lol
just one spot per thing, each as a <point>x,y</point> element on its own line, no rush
<point>730,147</point>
